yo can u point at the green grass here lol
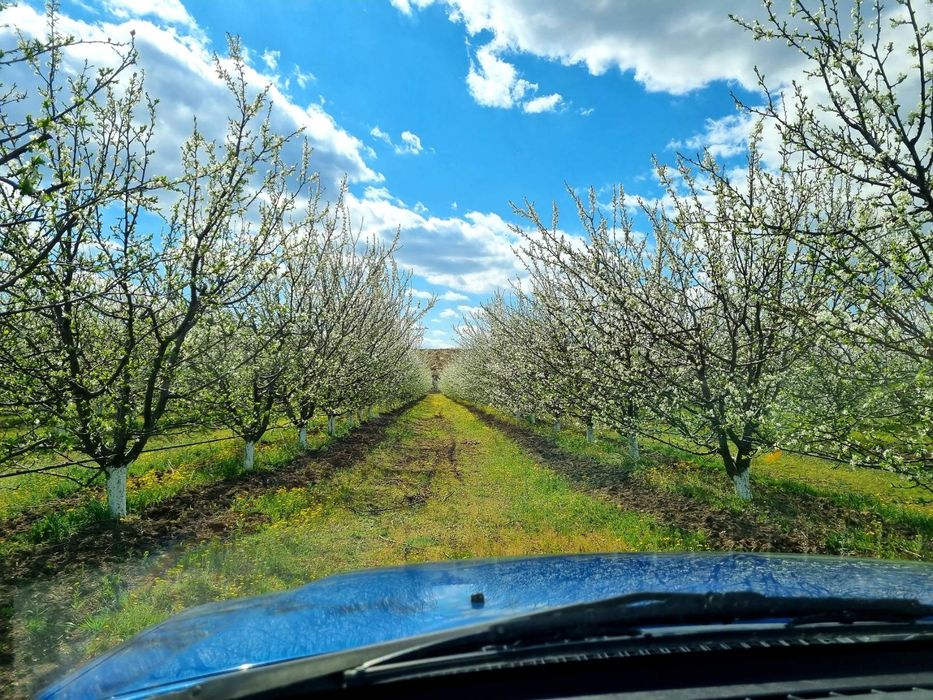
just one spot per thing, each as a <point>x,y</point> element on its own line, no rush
<point>161,474</point>
<point>153,478</point>
<point>19,493</point>
<point>405,502</point>
<point>881,506</point>
<point>842,479</point>
<point>839,481</point>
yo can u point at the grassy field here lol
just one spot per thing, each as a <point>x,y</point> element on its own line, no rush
<point>153,478</point>
<point>200,462</point>
<point>788,468</point>
<point>439,485</point>
<point>440,480</point>
<point>829,508</point>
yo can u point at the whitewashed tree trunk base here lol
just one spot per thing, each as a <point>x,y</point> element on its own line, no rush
<point>331,427</point>
<point>249,455</point>
<point>116,492</point>
<point>303,437</point>
<point>633,449</point>
<point>590,434</point>
<point>557,425</point>
<point>743,488</point>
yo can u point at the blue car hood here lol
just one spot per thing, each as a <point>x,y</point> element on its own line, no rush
<point>372,606</point>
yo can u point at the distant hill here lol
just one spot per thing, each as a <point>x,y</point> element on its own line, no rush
<point>438,359</point>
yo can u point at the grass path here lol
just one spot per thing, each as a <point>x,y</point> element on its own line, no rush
<point>440,485</point>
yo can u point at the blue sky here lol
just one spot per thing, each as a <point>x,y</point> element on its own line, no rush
<point>441,112</point>
<point>406,73</point>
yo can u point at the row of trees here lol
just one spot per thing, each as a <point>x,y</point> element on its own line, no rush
<point>136,303</point>
<point>783,304</point>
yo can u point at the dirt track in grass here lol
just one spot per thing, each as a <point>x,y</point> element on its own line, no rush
<point>778,521</point>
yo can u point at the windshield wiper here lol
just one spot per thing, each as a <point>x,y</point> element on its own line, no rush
<point>634,615</point>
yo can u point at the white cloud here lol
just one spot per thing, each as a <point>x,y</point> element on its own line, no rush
<point>587,111</point>
<point>495,83</point>
<point>302,77</point>
<point>271,59</point>
<point>371,192</point>
<point>437,338</point>
<point>545,103</point>
<point>171,11</point>
<point>180,73</point>
<point>406,6</point>
<point>461,311</point>
<point>410,142</point>
<point>446,296</point>
<point>470,254</point>
<point>675,47</point>
<point>723,137</point>
<point>378,133</point>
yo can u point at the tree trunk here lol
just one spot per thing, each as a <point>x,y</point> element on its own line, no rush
<point>116,492</point>
<point>737,467</point>
<point>557,425</point>
<point>743,488</point>
<point>303,437</point>
<point>249,455</point>
<point>590,433</point>
<point>742,470</point>
<point>533,419</point>
<point>633,450</point>
<point>331,427</point>
<point>369,413</point>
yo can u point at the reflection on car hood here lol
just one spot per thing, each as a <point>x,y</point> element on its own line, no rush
<point>367,607</point>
